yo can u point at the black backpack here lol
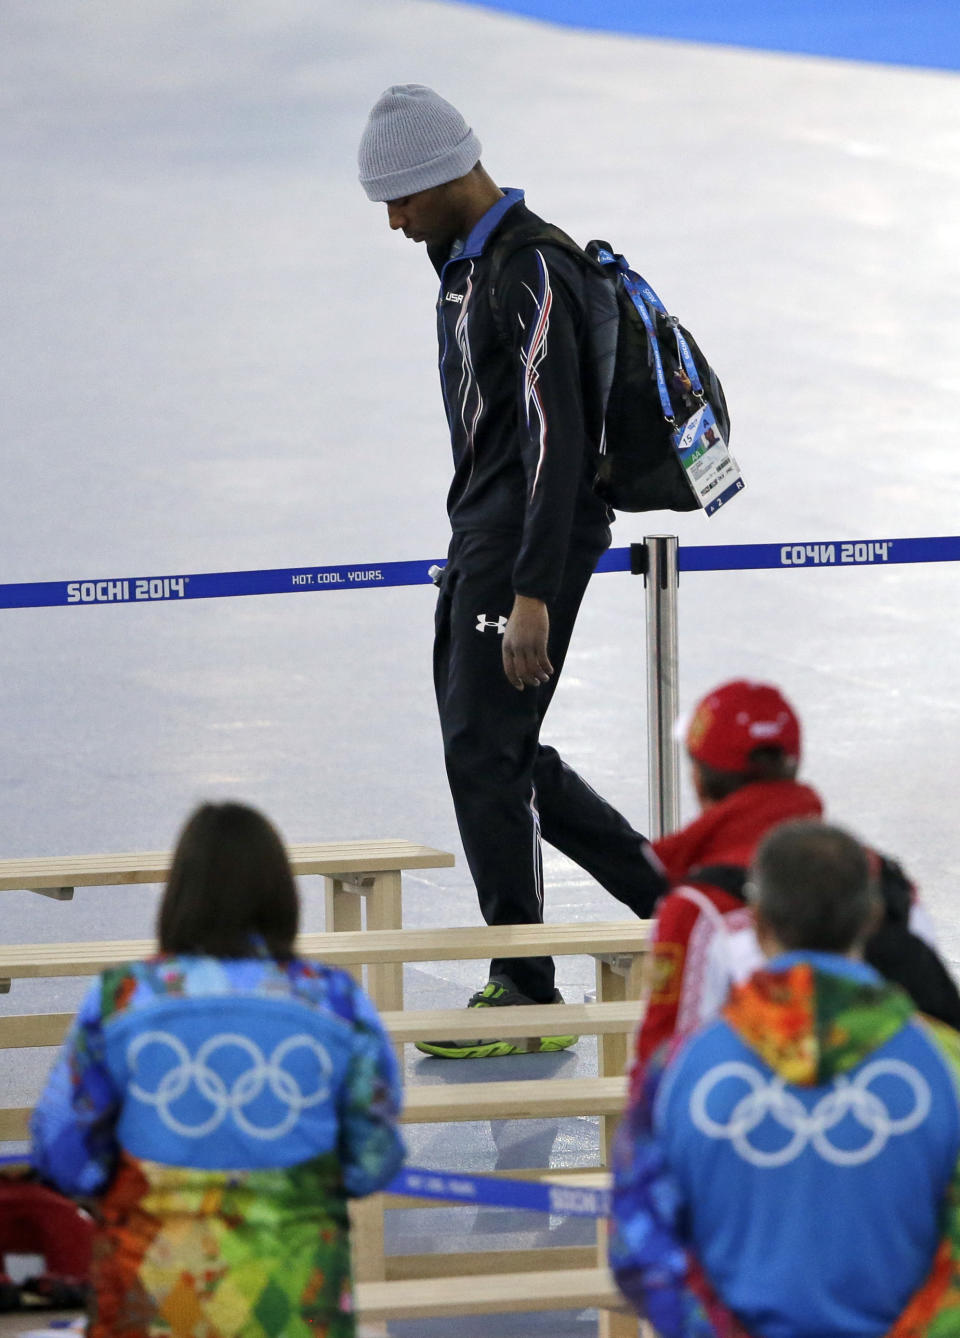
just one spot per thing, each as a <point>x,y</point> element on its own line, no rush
<point>638,468</point>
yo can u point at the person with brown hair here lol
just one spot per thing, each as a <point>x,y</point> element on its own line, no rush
<point>221,1102</point>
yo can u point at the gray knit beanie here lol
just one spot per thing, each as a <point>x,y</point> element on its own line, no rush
<point>414,139</point>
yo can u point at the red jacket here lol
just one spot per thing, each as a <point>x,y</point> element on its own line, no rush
<point>690,966</point>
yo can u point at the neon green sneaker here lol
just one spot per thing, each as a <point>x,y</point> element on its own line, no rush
<point>499,992</point>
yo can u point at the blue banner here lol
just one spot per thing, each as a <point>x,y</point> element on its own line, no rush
<point>835,553</point>
<point>491,1191</point>
<point>213,584</point>
<point>360,575</point>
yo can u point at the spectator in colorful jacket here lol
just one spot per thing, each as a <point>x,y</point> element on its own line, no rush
<point>791,1169</point>
<point>221,1102</point>
<point>744,747</point>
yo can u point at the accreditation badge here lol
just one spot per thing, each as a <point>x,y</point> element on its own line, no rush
<point>712,472</point>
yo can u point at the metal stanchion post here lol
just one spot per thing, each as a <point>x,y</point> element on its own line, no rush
<point>656,558</point>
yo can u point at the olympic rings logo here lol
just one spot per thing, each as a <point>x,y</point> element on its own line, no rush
<point>230,1099</point>
<point>847,1097</point>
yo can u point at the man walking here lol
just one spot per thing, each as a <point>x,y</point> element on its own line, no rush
<point>792,1168</point>
<point>520,322</point>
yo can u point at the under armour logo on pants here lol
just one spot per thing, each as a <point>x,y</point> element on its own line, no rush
<point>483,622</point>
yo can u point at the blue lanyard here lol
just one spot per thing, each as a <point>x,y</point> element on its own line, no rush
<point>641,294</point>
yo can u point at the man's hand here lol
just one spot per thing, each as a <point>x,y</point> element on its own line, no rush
<point>525,660</point>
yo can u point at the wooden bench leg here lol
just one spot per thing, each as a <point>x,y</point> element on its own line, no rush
<point>385,987</point>
<point>385,911</point>
<point>343,912</point>
<point>383,895</point>
<point>367,1251</point>
<point>618,979</point>
<point>616,1323</point>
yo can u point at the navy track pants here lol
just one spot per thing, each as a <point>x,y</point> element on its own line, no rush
<point>508,789</point>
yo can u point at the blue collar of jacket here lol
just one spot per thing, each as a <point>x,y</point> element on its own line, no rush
<point>830,962</point>
<point>481,230</point>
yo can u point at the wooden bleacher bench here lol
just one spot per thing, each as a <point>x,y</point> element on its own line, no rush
<point>58,875</point>
<point>612,1019</point>
<point>507,1099</point>
<point>356,874</point>
<point>473,1295</point>
<point>14,1124</point>
<point>586,1019</point>
<point>435,1103</point>
<point>591,1019</point>
<point>501,1100</point>
<point>352,948</point>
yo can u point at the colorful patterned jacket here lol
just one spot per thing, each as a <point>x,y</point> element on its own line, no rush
<point>222,1112</point>
<point>791,1169</point>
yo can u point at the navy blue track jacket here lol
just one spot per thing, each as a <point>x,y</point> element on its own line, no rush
<point>522,394</point>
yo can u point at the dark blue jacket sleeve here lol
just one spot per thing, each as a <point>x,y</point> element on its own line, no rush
<point>648,1249</point>
<point>72,1129</point>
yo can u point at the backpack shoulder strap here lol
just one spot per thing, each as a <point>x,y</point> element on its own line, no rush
<point>506,246</point>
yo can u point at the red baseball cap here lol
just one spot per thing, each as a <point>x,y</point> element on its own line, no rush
<point>738,717</point>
